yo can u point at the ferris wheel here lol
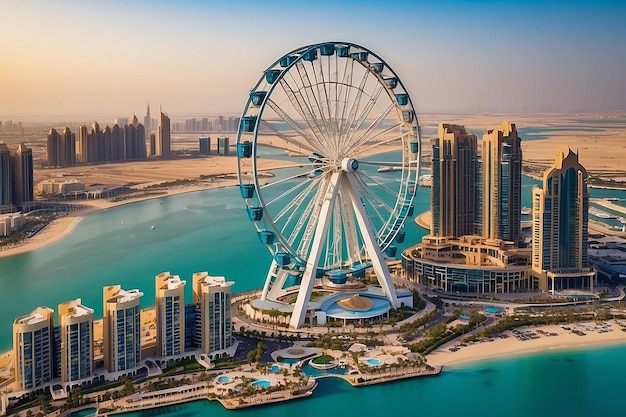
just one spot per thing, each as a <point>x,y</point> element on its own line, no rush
<point>328,159</point>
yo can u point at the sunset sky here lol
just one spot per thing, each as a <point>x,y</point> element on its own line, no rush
<point>70,58</point>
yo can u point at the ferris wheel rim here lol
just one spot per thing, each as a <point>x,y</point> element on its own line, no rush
<point>403,197</point>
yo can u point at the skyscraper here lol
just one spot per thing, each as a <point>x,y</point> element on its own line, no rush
<point>163,140</point>
<point>53,148</point>
<point>6,192</point>
<point>454,191</point>
<point>170,314</point>
<point>76,328</point>
<point>211,295</point>
<point>68,148</point>
<point>94,144</point>
<point>560,227</point>
<point>117,143</point>
<point>501,183</point>
<point>205,145</point>
<point>122,328</point>
<point>22,176</point>
<point>32,348</point>
<point>106,145</point>
<point>152,145</point>
<point>82,144</point>
<point>135,140</point>
<point>61,148</point>
<point>223,146</point>
<point>147,121</point>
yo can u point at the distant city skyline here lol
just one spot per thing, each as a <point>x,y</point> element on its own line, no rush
<point>197,57</point>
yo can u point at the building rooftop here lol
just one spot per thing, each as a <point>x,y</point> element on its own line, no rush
<point>38,315</point>
<point>124,296</point>
<point>171,282</point>
<point>74,308</point>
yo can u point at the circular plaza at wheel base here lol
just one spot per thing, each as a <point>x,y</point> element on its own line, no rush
<point>339,305</point>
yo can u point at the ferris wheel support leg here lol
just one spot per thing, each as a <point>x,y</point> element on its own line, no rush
<point>268,281</point>
<point>308,277</point>
<point>378,260</point>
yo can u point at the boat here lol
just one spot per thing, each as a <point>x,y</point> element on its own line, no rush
<point>526,210</point>
<point>594,211</point>
<point>152,227</point>
<point>425,180</point>
<point>389,169</point>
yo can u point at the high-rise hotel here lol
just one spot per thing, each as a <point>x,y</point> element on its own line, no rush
<point>163,138</point>
<point>211,295</point>
<point>32,348</point>
<point>501,183</point>
<point>6,192</point>
<point>170,314</point>
<point>122,328</point>
<point>560,215</point>
<point>61,148</point>
<point>16,178</point>
<point>476,209</point>
<point>454,192</point>
<point>76,330</point>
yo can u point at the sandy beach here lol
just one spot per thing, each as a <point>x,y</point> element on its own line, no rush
<point>594,336</point>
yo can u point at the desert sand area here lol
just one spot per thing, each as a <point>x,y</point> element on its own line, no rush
<point>548,337</point>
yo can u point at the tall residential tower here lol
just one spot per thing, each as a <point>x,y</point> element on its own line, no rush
<point>211,295</point>
<point>6,192</point>
<point>454,191</point>
<point>32,348</point>
<point>560,227</point>
<point>122,328</point>
<point>23,176</point>
<point>170,314</point>
<point>163,139</point>
<point>501,183</point>
<point>76,328</point>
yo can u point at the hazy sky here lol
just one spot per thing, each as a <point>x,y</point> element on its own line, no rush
<point>68,58</point>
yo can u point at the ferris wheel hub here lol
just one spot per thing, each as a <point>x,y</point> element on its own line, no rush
<point>349,164</point>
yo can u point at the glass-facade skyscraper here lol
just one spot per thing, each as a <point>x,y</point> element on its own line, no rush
<point>6,194</point>
<point>560,216</point>
<point>211,295</point>
<point>122,328</point>
<point>454,191</point>
<point>32,348</point>
<point>76,329</point>
<point>501,183</point>
<point>170,314</point>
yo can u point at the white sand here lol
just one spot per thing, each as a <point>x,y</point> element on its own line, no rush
<point>512,346</point>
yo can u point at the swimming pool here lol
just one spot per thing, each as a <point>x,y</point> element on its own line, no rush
<point>263,383</point>
<point>223,379</point>
<point>373,362</point>
<point>275,368</point>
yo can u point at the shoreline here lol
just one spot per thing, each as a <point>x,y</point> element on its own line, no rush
<point>510,347</point>
<point>63,226</point>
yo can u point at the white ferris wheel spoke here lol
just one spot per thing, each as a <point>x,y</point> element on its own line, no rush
<point>355,143</point>
<point>292,123</point>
